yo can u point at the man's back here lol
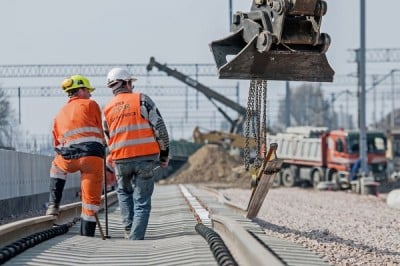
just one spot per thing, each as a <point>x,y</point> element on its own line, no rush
<point>75,115</point>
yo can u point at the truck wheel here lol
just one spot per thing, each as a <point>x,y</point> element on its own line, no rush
<point>338,184</point>
<point>288,178</point>
<point>331,173</point>
<point>316,178</point>
<point>277,180</point>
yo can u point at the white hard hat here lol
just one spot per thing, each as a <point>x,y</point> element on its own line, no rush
<point>118,74</point>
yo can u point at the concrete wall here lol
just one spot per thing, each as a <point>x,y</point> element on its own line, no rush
<point>24,182</point>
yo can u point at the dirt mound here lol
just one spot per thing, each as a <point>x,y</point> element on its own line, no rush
<point>211,163</point>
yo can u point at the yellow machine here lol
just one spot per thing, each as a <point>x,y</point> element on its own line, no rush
<point>229,140</point>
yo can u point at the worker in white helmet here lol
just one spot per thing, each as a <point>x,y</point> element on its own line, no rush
<point>138,142</point>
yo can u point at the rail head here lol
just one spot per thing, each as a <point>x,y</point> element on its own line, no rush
<point>14,231</point>
<point>245,248</point>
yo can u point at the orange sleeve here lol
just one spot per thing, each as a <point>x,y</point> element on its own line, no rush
<point>55,135</point>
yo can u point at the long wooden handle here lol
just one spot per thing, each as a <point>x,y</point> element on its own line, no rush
<point>268,157</point>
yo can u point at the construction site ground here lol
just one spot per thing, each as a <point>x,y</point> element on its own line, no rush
<point>344,227</point>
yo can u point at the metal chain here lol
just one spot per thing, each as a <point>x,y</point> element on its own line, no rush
<point>264,117</point>
<point>257,123</point>
<point>256,105</point>
<point>249,112</point>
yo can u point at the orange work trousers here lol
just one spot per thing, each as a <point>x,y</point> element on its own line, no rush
<point>92,173</point>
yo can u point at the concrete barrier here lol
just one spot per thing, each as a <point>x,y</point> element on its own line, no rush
<point>24,182</point>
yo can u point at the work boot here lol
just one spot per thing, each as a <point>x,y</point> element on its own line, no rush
<point>126,233</point>
<point>88,228</point>
<point>53,209</point>
<point>56,190</point>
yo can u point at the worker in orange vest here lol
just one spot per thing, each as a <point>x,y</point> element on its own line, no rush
<point>79,145</point>
<point>139,143</point>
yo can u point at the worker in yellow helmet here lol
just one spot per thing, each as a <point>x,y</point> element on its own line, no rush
<point>79,143</point>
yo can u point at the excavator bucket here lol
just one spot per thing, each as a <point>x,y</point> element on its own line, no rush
<point>276,40</point>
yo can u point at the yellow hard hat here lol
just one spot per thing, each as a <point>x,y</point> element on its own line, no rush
<point>75,82</point>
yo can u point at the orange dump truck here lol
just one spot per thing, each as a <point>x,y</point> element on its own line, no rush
<point>317,154</point>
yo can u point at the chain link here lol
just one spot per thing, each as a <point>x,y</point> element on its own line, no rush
<point>249,111</point>
<point>256,121</point>
<point>264,119</point>
<point>257,124</point>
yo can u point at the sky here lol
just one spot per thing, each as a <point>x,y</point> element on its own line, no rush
<point>173,31</point>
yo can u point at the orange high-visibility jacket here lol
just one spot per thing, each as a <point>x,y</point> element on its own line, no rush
<point>77,122</point>
<point>130,135</point>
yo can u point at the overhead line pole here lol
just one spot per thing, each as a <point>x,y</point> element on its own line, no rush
<point>19,105</point>
<point>362,68</point>
<point>230,14</point>
<point>287,105</point>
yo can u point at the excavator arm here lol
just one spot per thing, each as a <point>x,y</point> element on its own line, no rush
<point>209,93</point>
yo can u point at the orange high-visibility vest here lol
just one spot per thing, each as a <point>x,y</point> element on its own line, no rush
<point>130,135</point>
<point>77,122</point>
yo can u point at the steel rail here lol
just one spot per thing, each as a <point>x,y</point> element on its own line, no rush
<point>246,249</point>
<point>11,232</point>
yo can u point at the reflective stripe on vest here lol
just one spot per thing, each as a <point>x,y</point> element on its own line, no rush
<point>81,130</point>
<point>128,128</point>
<point>130,134</point>
<point>90,207</point>
<point>127,143</point>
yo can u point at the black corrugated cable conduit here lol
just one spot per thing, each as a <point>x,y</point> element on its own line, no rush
<point>221,253</point>
<point>25,243</point>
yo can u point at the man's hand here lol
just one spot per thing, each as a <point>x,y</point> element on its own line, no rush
<point>164,164</point>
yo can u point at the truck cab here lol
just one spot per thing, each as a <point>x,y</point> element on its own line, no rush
<point>343,150</point>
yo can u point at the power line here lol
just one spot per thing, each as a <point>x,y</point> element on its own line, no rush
<point>96,70</point>
<point>101,70</point>
<point>154,90</point>
<point>377,55</point>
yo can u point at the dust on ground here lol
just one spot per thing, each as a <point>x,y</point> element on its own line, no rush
<point>212,163</point>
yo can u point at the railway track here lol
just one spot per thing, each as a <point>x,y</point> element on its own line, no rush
<point>188,225</point>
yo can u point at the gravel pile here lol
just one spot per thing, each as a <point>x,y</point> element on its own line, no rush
<point>342,227</point>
